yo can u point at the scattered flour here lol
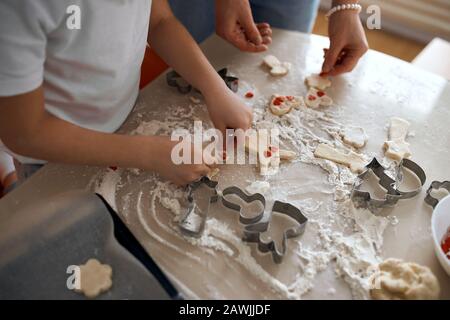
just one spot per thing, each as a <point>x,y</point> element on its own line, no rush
<point>345,238</point>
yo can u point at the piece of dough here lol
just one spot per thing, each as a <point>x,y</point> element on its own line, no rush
<point>316,81</point>
<point>95,278</point>
<point>277,68</point>
<point>353,160</point>
<point>354,136</point>
<point>287,155</point>
<point>280,105</point>
<point>271,61</point>
<point>399,280</point>
<point>317,98</point>
<point>396,146</point>
<point>213,173</point>
<point>398,129</point>
<point>268,156</point>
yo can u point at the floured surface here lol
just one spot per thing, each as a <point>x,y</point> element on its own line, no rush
<point>339,241</point>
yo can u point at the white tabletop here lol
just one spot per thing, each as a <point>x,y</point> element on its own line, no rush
<point>379,88</point>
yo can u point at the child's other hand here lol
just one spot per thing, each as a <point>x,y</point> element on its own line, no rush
<point>227,111</point>
<point>181,174</point>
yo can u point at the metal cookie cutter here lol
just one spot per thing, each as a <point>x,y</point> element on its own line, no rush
<point>258,224</point>
<point>363,199</point>
<point>175,80</point>
<point>436,185</point>
<point>193,222</point>
<point>254,223</point>
<point>271,246</point>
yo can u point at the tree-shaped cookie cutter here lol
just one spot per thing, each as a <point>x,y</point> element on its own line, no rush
<point>363,199</point>
<point>253,226</point>
<point>436,185</point>
<point>175,80</point>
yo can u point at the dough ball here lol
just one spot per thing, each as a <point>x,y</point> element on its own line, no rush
<point>399,280</point>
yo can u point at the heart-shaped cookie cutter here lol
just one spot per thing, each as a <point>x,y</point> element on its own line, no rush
<point>436,185</point>
<point>175,80</point>
<point>363,199</point>
<point>253,226</point>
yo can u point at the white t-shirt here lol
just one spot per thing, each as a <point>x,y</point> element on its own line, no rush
<point>91,74</point>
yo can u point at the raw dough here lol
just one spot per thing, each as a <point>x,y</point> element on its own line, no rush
<point>214,172</point>
<point>268,156</point>
<point>354,136</point>
<point>316,98</point>
<point>287,155</point>
<point>399,280</point>
<point>316,81</point>
<point>95,278</point>
<point>280,105</point>
<point>271,61</point>
<point>396,147</point>
<point>277,68</point>
<point>353,160</point>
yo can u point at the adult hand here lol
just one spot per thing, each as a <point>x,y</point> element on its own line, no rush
<point>234,23</point>
<point>348,43</point>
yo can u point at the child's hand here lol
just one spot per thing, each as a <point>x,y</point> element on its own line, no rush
<point>181,174</point>
<point>227,111</point>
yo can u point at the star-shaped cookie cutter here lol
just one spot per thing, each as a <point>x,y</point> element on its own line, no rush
<point>253,226</point>
<point>363,199</point>
<point>175,80</point>
<point>436,185</point>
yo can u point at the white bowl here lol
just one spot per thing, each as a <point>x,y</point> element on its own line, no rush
<point>440,222</point>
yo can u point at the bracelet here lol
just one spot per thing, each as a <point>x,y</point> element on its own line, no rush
<point>349,6</point>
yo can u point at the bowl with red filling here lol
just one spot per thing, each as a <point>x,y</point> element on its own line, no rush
<point>440,228</point>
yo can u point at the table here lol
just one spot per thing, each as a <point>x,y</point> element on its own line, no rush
<point>380,87</point>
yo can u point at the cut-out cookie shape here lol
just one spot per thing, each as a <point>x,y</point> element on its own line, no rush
<point>318,82</point>
<point>399,280</point>
<point>281,105</point>
<point>354,136</point>
<point>396,147</point>
<point>317,98</point>
<point>352,160</point>
<point>277,68</point>
<point>268,155</point>
<point>95,278</point>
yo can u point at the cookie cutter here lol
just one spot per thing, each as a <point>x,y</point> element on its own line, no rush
<point>363,199</point>
<point>270,245</point>
<point>175,80</point>
<point>436,185</point>
<point>193,222</point>
<point>253,226</point>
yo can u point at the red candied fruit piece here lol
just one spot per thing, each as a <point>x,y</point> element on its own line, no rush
<point>113,168</point>
<point>278,101</point>
<point>320,93</point>
<point>311,97</point>
<point>249,95</point>
<point>268,154</point>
